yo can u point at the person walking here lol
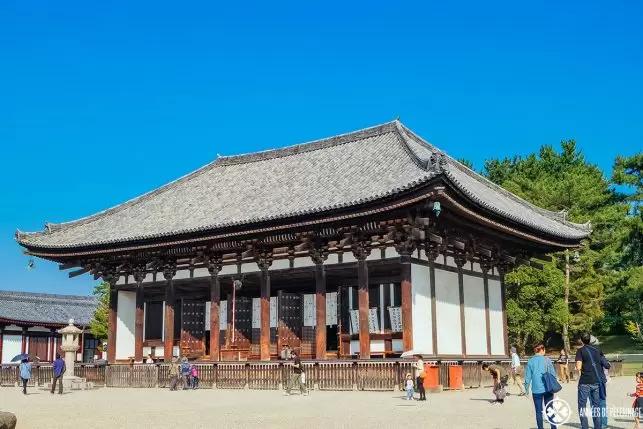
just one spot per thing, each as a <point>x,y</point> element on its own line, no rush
<point>605,377</point>
<point>173,373</point>
<point>588,359</point>
<point>296,377</point>
<point>637,405</point>
<point>537,366</point>
<point>25,374</point>
<point>500,378</point>
<point>59,369</point>
<point>418,366</point>
<point>185,373</point>
<point>563,361</point>
<point>516,371</point>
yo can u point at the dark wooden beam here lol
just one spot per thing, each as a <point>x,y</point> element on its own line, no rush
<point>81,272</point>
<point>545,258</point>
<point>68,265</point>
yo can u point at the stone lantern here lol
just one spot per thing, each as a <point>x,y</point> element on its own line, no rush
<point>70,339</point>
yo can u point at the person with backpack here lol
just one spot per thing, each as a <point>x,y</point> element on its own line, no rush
<point>185,373</point>
<point>194,376</point>
<point>537,367</point>
<point>591,383</point>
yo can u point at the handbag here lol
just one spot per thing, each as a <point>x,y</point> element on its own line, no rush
<point>549,380</point>
<point>602,390</point>
<point>422,374</point>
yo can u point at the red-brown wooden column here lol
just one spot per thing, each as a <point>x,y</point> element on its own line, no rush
<point>1,335</point>
<point>111,321</point>
<point>432,252</point>
<point>503,269</point>
<point>139,276</point>
<point>264,261</point>
<point>23,347</point>
<point>214,265</point>
<point>407,300</point>
<point>169,272</point>
<point>318,256</point>
<point>361,252</point>
<point>486,267</point>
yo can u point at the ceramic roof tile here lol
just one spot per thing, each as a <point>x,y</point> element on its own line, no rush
<point>47,308</point>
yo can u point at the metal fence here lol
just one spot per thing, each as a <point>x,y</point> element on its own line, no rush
<point>365,375</point>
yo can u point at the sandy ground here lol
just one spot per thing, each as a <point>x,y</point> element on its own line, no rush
<point>207,408</point>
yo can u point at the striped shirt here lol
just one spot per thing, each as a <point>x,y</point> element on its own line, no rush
<point>639,390</point>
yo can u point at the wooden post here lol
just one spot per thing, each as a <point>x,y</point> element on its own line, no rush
<point>168,273</point>
<point>264,262</point>
<point>361,252</point>
<point>0,344</point>
<point>112,279</point>
<point>214,266</point>
<point>139,318</point>
<point>503,270</point>
<point>23,347</point>
<point>485,272</point>
<point>407,302</point>
<point>432,252</point>
<point>320,311</point>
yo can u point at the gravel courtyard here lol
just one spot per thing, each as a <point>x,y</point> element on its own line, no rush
<point>154,408</point>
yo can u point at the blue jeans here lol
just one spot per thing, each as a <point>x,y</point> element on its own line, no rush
<point>540,400</point>
<point>585,392</point>
<point>603,412</point>
<point>409,393</point>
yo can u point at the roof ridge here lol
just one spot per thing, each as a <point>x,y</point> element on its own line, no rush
<point>12,293</point>
<point>220,162</point>
<point>309,146</point>
<point>557,216</point>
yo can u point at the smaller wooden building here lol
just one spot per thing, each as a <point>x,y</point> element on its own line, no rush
<point>29,323</point>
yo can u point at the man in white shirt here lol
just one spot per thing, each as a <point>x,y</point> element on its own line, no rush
<point>516,371</point>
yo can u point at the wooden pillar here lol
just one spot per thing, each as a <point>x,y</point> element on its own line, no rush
<point>264,262</point>
<point>320,311</point>
<point>460,260</point>
<point>214,267</point>
<point>111,321</point>
<point>139,316</point>
<point>1,334</point>
<point>407,301</point>
<point>23,347</point>
<point>502,269</point>
<point>168,273</point>
<point>361,252</point>
<point>432,252</point>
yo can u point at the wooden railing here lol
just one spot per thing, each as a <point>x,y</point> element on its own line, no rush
<point>382,375</point>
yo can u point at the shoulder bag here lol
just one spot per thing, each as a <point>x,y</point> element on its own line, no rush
<point>549,380</point>
<point>602,390</point>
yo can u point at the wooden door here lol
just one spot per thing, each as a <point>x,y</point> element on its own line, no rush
<point>290,319</point>
<point>38,346</point>
<point>193,326</point>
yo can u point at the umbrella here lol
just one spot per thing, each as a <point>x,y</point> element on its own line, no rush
<point>23,356</point>
<point>20,357</point>
<point>412,353</point>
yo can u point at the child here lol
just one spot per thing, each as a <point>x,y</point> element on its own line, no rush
<point>408,385</point>
<point>194,373</point>
<point>638,402</point>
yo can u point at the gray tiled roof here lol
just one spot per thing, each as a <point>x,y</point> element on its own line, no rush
<point>315,177</point>
<point>47,308</point>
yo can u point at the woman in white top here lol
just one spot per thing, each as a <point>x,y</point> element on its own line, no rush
<point>419,367</point>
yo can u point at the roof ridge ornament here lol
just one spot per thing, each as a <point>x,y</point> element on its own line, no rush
<point>437,163</point>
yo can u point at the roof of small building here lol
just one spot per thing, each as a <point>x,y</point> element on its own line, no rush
<point>315,177</point>
<point>45,308</point>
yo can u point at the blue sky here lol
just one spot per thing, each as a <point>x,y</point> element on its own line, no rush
<point>100,102</point>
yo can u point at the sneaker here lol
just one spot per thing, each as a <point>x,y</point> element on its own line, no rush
<point>286,394</point>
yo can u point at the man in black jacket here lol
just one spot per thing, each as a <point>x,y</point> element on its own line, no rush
<point>588,365</point>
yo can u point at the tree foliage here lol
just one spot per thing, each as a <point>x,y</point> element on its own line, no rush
<point>564,181</point>
<point>99,323</point>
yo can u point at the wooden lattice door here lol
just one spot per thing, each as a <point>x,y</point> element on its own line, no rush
<point>193,326</point>
<point>290,319</point>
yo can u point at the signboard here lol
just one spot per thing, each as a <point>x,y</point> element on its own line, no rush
<point>396,318</point>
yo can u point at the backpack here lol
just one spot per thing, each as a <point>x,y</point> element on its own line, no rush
<point>195,372</point>
<point>185,368</point>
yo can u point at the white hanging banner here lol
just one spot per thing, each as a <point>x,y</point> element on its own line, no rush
<point>354,322</point>
<point>309,310</point>
<point>223,315</point>
<point>373,320</point>
<point>256,313</point>
<point>331,309</point>
<point>396,318</point>
<point>207,316</point>
<point>273,311</point>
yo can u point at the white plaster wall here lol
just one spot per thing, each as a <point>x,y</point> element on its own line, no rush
<point>374,255</point>
<point>227,270</point>
<point>495,318</point>
<point>354,347</point>
<point>422,317</point>
<point>249,267</point>
<point>11,346</point>
<point>397,345</point>
<point>474,316</point>
<point>348,257</point>
<point>390,252</point>
<point>126,316</point>
<point>447,309</point>
<point>280,264</point>
<point>13,328</point>
<point>303,262</point>
<point>333,259</point>
<point>377,345</point>
<point>450,261</point>
<point>476,267</point>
